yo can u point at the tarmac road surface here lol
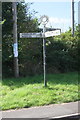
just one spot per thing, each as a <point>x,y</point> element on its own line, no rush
<point>54,111</point>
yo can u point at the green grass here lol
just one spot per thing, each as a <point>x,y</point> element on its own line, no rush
<point>30,91</point>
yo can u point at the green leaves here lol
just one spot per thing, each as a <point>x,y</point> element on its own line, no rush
<point>25,23</point>
<point>2,22</point>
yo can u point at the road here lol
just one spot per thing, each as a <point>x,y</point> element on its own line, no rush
<point>54,111</point>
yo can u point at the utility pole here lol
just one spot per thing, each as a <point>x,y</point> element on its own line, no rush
<point>0,41</point>
<point>72,7</point>
<point>15,43</point>
<point>79,13</point>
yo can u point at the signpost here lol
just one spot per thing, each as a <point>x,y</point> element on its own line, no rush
<point>44,34</point>
<point>44,20</point>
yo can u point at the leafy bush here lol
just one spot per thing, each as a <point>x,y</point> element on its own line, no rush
<point>63,52</point>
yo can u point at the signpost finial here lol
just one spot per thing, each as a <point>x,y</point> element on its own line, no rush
<point>44,19</point>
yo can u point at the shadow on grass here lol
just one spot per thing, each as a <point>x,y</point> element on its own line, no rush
<point>66,78</point>
<point>21,81</point>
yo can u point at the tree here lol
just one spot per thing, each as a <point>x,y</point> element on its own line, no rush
<point>26,23</point>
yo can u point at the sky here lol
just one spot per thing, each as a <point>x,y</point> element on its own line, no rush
<point>59,12</point>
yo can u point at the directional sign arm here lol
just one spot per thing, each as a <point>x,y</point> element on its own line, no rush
<point>30,35</point>
<point>52,33</point>
<point>40,35</point>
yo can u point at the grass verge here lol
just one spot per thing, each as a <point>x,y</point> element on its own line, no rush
<point>30,91</point>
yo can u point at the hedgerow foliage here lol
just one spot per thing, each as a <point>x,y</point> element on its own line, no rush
<point>62,52</point>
